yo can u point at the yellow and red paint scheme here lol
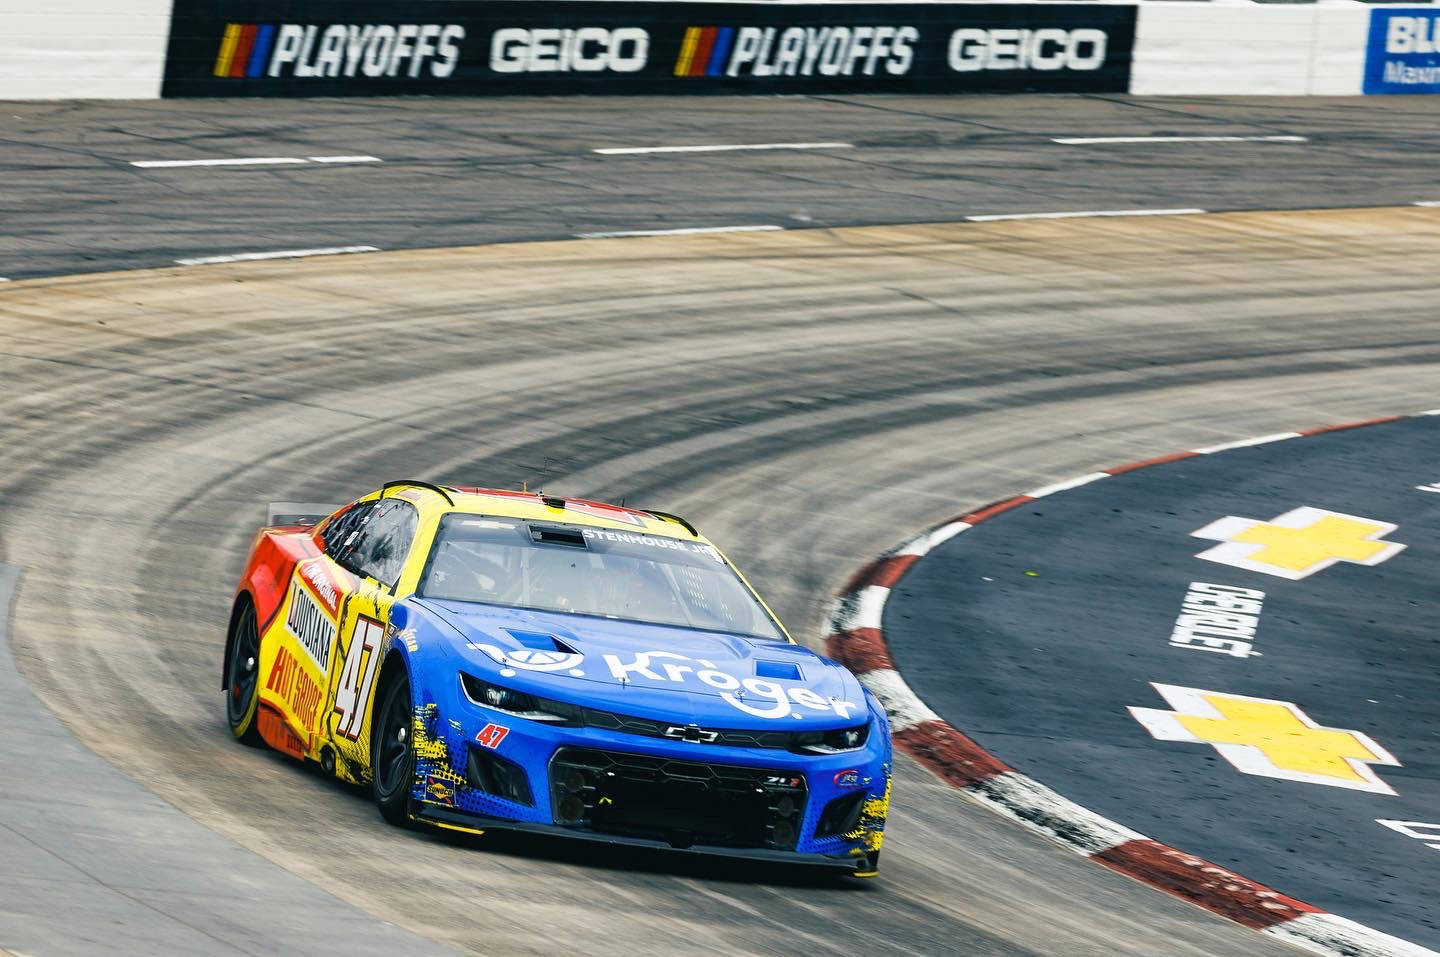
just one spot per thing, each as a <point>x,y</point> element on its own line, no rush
<point>298,591</point>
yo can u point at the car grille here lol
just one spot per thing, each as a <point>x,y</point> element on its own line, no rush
<point>683,803</point>
<point>628,724</point>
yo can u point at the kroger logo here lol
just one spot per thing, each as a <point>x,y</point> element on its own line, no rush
<point>758,696</point>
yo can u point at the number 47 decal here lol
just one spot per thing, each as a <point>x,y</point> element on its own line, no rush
<point>353,693</point>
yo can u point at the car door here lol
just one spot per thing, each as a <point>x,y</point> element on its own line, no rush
<point>298,644</point>
<point>374,553</point>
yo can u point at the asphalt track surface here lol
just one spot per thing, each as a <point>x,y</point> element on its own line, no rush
<point>810,398</point>
<point>463,171</point>
<point>96,864</point>
<point>1065,607</point>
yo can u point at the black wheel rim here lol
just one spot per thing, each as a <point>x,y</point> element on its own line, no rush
<point>244,668</point>
<point>393,755</point>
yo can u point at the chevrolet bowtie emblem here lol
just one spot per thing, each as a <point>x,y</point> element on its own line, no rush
<point>691,732</point>
<point>1299,543</point>
<point>1274,739</point>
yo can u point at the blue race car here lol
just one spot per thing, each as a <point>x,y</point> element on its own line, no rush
<point>493,659</point>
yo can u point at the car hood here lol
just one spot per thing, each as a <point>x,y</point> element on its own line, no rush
<point>656,671</point>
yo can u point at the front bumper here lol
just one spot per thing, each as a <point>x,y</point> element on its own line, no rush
<point>625,789</point>
<point>861,863</point>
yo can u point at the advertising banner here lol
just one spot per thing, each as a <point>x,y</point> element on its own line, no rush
<point>1401,55</point>
<point>367,48</point>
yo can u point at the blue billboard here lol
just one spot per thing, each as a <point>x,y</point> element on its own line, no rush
<point>1403,51</point>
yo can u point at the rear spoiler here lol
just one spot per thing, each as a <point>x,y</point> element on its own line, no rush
<point>297,513</point>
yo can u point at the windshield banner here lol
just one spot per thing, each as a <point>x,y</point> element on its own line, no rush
<point>360,48</point>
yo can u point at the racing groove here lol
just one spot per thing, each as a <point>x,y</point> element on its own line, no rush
<point>808,398</point>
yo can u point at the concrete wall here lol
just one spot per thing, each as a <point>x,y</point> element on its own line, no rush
<point>64,49</point>
<point>1259,50</point>
<point>74,49</point>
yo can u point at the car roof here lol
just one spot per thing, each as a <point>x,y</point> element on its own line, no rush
<point>539,506</point>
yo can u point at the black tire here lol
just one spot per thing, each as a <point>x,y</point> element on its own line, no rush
<point>392,751</point>
<point>242,677</point>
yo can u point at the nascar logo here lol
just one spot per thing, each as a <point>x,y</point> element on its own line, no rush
<point>704,51</point>
<point>245,49</point>
<point>310,50</point>
<point>796,51</point>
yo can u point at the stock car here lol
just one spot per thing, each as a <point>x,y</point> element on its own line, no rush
<point>484,659</point>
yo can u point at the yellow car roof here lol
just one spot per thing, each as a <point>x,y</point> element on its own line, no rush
<point>537,506</point>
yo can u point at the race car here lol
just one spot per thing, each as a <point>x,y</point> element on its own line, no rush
<point>483,658</point>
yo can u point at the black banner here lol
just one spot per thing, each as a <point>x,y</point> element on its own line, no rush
<point>369,47</point>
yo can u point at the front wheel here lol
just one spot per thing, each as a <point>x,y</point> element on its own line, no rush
<point>392,752</point>
<point>242,673</point>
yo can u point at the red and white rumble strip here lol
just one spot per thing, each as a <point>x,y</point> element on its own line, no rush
<point>857,640</point>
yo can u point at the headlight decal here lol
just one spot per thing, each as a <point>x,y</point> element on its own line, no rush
<point>518,703</point>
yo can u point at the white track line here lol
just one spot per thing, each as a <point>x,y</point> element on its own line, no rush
<point>279,254</point>
<point>1094,140</point>
<point>626,150</point>
<point>1069,484</point>
<point>254,161</point>
<point>1080,214</point>
<point>247,161</point>
<point>692,231</point>
<point>1428,202</point>
<point>1246,443</point>
<point>902,705</point>
<point>345,159</point>
<point>932,539</point>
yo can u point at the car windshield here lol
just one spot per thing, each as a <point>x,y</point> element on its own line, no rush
<point>591,571</point>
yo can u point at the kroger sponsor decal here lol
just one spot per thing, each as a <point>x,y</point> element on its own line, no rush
<point>758,696</point>
<point>797,51</point>
<point>310,626</point>
<point>412,50</point>
<point>586,50</point>
<point>1402,56</point>
<point>972,49</point>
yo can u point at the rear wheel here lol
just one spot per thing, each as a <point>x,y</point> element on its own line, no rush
<point>392,752</point>
<point>242,672</point>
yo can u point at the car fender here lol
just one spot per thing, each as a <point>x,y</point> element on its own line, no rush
<point>413,646</point>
